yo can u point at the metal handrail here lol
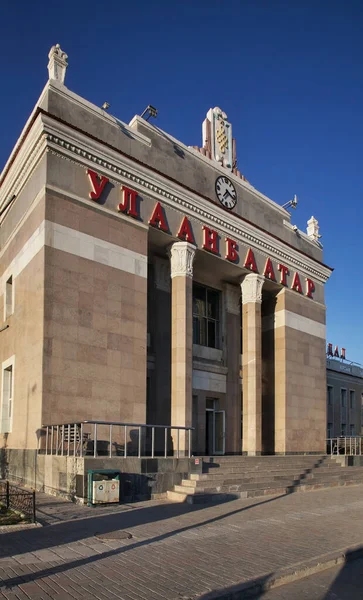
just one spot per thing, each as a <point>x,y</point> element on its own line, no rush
<point>345,445</point>
<point>72,439</point>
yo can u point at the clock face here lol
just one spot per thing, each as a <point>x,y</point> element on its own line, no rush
<point>226,192</point>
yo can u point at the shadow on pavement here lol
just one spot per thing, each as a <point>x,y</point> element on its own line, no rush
<point>348,585</point>
<point>32,540</point>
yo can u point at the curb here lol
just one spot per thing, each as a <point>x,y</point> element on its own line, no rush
<point>19,527</point>
<point>268,581</point>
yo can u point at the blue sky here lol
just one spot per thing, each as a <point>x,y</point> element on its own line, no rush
<point>288,74</point>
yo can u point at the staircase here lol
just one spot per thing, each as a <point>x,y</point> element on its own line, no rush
<point>231,477</point>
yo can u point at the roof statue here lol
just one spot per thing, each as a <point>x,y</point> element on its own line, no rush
<point>313,229</point>
<point>58,63</point>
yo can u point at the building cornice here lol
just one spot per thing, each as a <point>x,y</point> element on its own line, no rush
<point>85,150</point>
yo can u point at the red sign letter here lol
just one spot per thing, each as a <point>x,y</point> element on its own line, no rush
<point>284,272</point>
<point>269,270</point>
<point>310,288</point>
<point>185,231</point>
<point>296,284</point>
<point>231,250</point>
<point>128,205</point>
<point>210,240</point>
<point>250,262</point>
<point>342,353</point>
<point>158,219</point>
<point>330,350</point>
<point>98,183</point>
<point>336,351</point>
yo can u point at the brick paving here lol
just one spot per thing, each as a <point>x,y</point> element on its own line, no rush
<point>177,551</point>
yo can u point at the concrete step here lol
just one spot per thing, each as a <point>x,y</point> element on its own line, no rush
<point>264,468</point>
<point>241,486</point>
<point>265,479</point>
<point>217,497</point>
<point>267,458</point>
<point>223,474</point>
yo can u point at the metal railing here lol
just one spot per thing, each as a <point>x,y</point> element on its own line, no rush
<point>16,498</point>
<point>348,446</point>
<point>106,438</point>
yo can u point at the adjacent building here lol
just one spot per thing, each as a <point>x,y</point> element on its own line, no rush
<point>344,397</point>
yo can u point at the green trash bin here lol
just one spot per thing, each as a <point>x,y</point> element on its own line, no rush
<point>103,487</point>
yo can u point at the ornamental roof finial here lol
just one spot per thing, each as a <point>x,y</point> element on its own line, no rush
<point>58,63</point>
<point>313,229</point>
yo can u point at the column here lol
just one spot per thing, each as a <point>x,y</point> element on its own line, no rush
<point>181,263</point>
<point>251,288</point>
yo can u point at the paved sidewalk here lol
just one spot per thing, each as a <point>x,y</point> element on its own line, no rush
<point>155,550</point>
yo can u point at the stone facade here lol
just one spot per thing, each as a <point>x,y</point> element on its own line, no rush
<point>132,293</point>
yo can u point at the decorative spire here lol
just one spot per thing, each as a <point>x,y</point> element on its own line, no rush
<point>217,137</point>
<point>313,229</point>
<point>58,63</point>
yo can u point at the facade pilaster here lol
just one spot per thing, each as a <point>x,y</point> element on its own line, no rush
<point>300,375</point>
<point>251,288</point>
<point>181,272</point>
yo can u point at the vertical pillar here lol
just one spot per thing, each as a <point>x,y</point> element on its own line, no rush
<point>181,263</point>
<point>251,288</point>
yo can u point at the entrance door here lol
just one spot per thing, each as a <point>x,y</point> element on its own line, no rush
<point>215,431</point>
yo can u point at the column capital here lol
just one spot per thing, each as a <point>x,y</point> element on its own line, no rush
<point>251,288</point>
<point>181,259</point>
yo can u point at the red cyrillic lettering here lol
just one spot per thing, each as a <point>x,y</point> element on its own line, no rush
<point>210,240</point>
<point>185,231</point>
<point>158,218</point>
<point>284,272</point>
<point>98,183</point>
<point>129,205</point>
<point>269,272</point>
<point>231,250</point>
<point>296,284</point>
<point>310,288</point>
<point>250,262</point>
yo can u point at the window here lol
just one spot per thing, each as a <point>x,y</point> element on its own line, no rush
<point>330,430</point>
<point>7,397</point>
<point>343,397</point>
<point>351,399</point>
<point>205,316</point>
<point>351,429</point>
<point>330,395</point>
<point>9,305</point>
<point>344,429</point>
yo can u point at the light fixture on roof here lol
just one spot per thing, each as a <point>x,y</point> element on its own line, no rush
<point>292,203</point>
<point>105,106</point>
<point>150,111</point>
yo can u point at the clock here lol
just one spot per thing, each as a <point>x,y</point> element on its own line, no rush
<point>226,192</point>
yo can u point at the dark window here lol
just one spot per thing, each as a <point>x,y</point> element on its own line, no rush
<point>205,316</point>
<point>352,399</point>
